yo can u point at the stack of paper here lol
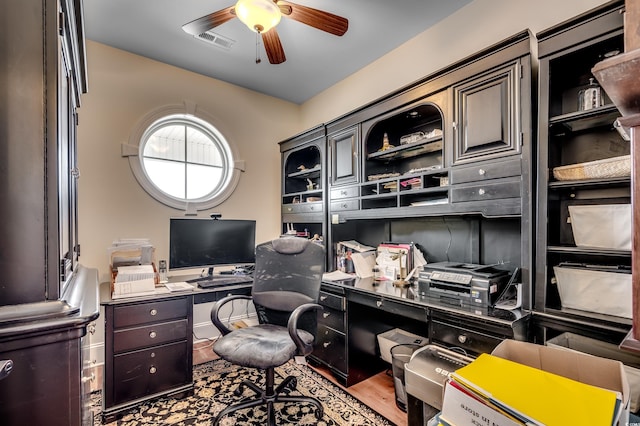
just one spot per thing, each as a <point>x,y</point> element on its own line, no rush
<point>510,393</point>
<point>135,273</point>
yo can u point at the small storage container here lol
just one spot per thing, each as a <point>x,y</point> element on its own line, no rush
<point>598,169</point>
<point>605,291</point>
<point>605,226</point>
<point>394,337</point>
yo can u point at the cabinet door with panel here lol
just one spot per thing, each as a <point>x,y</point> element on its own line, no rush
<point>344,149</point>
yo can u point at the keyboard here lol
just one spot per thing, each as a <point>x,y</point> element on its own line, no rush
<point>222,280</point>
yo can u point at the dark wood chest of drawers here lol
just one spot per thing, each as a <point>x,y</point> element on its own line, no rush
<point>148,351</point>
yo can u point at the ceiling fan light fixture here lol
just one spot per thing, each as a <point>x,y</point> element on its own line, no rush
<point>258,15</point>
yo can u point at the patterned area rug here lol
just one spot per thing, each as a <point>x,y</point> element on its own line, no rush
<point>214,384</point>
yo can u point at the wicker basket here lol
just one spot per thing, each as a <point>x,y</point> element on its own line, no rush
<point>599,169</point>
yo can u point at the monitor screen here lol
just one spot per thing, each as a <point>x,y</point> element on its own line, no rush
<point>205,243</point>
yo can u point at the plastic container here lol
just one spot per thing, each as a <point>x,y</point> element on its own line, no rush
<point>400,355</point>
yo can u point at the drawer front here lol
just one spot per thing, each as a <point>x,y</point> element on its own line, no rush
<point>486,171</point>
<point>333,301</point>
<point>345,205</point>
<point>348,192</point>
<point>489,191</point>
<point>331,318</point>
<point>149,335</point>
<point>154,311</point>
<point>146,372</point>
<point>313,207</point>
<point>464,338</point>
<point>330,348</point>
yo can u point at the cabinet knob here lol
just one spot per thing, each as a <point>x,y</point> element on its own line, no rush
<point>343,192</point>
<point>289,209</point>
<point>91,328</point>
<point>379,303</point>
<point>326,344</point>
<point>344,206</point>
<point>311,208</point>
<point>326,314</point>
<point>462,338</point>
<point>90,378</point>
<point>153,312</point>
<point>481,191</point>
<point>482,172</point>
<point>323,298</point>
<point>153,370</point>
<point>153,335</point>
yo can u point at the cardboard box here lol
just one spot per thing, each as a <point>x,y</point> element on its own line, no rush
<point>397,336</point>
<point>606,226</point>
<point>582,344</point>
<point>592,370</point>
<point>594,290</point>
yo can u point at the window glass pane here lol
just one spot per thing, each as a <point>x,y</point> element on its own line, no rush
<point>201,180</point>
<point>201,150</point>
<point>166,142</point>
<point>168,176</point>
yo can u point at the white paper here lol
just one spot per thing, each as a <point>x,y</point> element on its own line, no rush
<point>179,286</point>
<point>356,246</point>
<point>364,263</point>
<point>337,275</point>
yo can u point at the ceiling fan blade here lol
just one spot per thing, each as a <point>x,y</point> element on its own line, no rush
<point>324,21</point>
<point>272,45</point>
<point>204,24</point>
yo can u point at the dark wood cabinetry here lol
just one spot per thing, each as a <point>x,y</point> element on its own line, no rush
<point>344,159</point>
<point>148,351</point>
<point>49,302</point>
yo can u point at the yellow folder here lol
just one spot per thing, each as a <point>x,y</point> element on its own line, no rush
<point>543,397</point>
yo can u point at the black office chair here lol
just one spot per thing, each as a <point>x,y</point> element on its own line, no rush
<point>286,287</point>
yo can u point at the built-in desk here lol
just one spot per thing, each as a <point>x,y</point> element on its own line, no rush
<point>355,311</point>
<point>149,345</point>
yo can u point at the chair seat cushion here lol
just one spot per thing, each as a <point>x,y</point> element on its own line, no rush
<point>262,346</point>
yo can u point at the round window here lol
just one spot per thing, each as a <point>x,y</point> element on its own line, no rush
<point>184,162</point>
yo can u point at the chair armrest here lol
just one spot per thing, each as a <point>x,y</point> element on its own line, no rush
<point>292,325</point>
<point>215,310</point>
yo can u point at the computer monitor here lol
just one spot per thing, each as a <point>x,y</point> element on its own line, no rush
<point>206,243</point>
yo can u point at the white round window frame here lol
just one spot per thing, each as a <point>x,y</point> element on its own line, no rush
<point>134,150</point>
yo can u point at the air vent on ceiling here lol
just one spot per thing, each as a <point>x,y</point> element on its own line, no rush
<point>216,39</point>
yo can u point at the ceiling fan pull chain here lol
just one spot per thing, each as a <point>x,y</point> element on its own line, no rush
<point>258,60</point>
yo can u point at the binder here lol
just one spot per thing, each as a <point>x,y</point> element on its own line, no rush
<point>536,396</point>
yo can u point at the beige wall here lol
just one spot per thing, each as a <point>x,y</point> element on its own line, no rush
<point>472,28</point>
<point>123,88</point>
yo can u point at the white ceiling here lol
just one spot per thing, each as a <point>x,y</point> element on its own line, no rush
<point>315,60</point>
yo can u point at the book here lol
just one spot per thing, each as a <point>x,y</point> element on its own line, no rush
<point>536,396</point>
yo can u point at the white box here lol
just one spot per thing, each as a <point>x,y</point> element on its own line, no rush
<point>394,337</point>
<point>582,344</point>
<point>606,226</point>
<point>594,290</point>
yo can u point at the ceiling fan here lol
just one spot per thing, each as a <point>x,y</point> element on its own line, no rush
<point>262,16</point>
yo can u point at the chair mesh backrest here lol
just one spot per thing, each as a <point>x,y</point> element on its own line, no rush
<point>288,273</point>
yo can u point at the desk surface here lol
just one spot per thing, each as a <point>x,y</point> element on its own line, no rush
<point>409,295</point>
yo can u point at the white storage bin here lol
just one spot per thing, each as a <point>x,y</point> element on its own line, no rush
<point>606,226</point>
<point>594,290</point>
<point>397,336</point>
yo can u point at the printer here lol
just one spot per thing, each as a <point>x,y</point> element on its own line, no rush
<point>464,285</point>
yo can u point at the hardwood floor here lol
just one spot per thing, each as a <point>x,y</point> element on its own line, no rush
<point>377,392</point>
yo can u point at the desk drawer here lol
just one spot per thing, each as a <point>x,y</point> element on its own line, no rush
<point>464,338</point>
<point>149,335</point>
<point>332,301</point>
<point>345,205</point>
<point>486,171</point>
<point>312,207</point>
<point>331,348</point>
<point>331,318</point>
<point>143,373</point>
<point>154,311</point>
<point>347,192</point>
<point>487,191</point>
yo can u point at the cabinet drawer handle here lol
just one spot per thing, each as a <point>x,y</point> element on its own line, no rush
<point>343,193</point>
<point>311,208</point>
<point>344,206</point>
<point>326,314</point>
<point>462,338</point>
<point>379,303</point>
<point>153,370</point>
<point>289,209</point>
<point>326,344</point>
<point>482,172</point>
<point>91,328</point>
<point>323,298</point>
<point>481,191</point>
<point>153,335</point>
<point>153,312</point>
